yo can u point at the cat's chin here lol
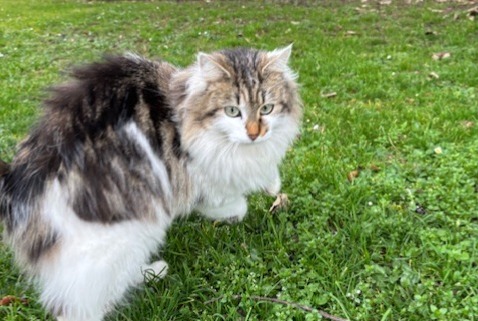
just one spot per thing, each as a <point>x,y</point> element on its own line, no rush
<point>248,141</point>
<point>252,142</point>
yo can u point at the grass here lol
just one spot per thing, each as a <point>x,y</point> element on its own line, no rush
<point>398,241</point>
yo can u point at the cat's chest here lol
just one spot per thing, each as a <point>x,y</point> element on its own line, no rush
<point>239,173</point>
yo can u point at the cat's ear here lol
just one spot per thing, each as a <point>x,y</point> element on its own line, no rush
<point>211,66</point>
<point>278,59</point>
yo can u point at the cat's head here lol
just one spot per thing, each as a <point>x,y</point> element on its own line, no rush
<point>241,96</point>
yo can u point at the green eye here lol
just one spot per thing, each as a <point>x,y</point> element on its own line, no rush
<point>266,109</point>
<point>232,111</point>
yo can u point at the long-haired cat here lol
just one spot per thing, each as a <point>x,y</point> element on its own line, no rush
<point>125,147</point>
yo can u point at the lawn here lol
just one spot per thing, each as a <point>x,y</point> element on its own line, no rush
<point>383,182</point>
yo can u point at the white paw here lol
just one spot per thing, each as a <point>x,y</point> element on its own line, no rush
<point>274,188</point>
<point>228,220</point>
<point>157,269</point>
<point>232,211</point>
<point>99,318</point>
<point>233,219</point>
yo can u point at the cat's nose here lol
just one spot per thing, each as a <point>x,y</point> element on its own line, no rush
<point>253,129</point>
<point>253,136</point>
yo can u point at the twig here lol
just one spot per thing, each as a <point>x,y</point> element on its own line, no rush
<point>279,301</point>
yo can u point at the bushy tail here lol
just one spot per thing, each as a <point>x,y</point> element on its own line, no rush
<point>4,203</point>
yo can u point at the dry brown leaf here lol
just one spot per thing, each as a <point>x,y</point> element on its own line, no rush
<point>281,202</point>
<point>353,175</point>
<point>441,55</point>
<point>10,299</point>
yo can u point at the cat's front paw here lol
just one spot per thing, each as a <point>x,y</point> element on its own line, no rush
<point>231,220</point>
<point>232,211</point>
<point>274,188</point>
<point>157,269</point>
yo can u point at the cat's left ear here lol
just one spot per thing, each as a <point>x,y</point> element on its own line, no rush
<point>211,66</point>
<point>278,58</point>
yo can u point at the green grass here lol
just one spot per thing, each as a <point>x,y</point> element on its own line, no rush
<point>397,243</point>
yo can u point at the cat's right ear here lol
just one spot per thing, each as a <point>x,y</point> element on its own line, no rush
<point>211,66</point>
<point>278,59</point>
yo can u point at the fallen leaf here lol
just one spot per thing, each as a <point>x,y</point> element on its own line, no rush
<point>441,55</point>
<point>360,10</point>
<point>353,175</point>
<point>281,202</point>
<point>10,299</point>
<point>467,124</point>
<point>472,13</point>
<point>329,95</point>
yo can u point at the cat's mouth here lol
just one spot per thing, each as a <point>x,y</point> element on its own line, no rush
<point>255,141</point>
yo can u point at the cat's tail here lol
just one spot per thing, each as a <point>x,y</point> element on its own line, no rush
<point>4,199</point>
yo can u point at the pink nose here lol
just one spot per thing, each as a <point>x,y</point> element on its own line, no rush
<point>253,137</point>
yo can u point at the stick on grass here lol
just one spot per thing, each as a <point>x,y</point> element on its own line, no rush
<point>287,303</point>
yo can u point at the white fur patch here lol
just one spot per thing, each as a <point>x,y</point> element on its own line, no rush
<point>158,166</point>
<point>94,264</point>
<point>225,169</point>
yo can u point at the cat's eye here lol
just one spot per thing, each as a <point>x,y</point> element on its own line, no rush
<point>266,109</point>
<point>232,111</point>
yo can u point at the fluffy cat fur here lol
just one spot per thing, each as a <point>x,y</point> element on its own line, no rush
<point>125,147</point>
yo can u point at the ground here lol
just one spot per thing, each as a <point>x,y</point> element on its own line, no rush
<point>382,184</point>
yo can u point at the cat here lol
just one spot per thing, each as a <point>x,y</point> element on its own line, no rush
<point>126,146</point>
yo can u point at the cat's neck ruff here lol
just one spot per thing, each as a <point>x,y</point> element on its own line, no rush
<point>218,164</point>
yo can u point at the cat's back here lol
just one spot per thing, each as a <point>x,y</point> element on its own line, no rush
<point>99,139</point>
